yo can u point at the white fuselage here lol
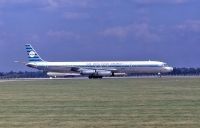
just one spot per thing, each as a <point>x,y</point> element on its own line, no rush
<point>113,66</point>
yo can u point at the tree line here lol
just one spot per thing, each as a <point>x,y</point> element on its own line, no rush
<point>39,74</point>
<point>185,71</point>
<point>180,72</point>
<point>20,74</point>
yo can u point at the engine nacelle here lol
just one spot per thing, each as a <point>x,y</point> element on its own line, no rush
<point>87,72</point>
<point>96,73</point>
<point>104,73</point>
<point>120,74</point>
<point>57,74</point>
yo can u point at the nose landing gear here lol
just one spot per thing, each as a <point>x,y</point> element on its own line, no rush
<point>159,75</point>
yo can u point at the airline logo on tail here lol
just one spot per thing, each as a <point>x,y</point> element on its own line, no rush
<point>32,54</point>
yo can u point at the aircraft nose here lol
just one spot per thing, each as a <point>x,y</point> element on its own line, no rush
<point>169,69</point>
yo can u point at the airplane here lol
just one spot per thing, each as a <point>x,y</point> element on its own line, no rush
<point>94,69</point>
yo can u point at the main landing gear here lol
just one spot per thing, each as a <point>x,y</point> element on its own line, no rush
<point>95,77</point>
<point>159,75</point>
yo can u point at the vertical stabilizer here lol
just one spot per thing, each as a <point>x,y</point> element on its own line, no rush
<point>33,56</point>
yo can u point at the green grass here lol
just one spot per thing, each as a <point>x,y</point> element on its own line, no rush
<point>107,103</point>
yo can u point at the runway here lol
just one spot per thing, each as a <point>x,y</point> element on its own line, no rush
<point>86,78</point>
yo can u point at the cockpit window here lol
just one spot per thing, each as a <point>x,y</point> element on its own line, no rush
<point>165,65</point>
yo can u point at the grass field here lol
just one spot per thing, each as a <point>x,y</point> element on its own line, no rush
<point>107,103</point>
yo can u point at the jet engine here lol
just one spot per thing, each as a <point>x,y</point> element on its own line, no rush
<point>104,73</point>
<point>87,72</point>
<point>96,72</point>
<point>57,74</point>
<point>119,74</point>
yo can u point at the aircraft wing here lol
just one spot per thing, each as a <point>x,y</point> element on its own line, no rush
<point>77,69</point>
<point>95,71</point>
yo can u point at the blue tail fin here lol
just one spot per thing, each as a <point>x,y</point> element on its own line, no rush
<point>32,54</point>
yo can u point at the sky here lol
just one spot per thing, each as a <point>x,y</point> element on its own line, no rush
<point>100,30</point>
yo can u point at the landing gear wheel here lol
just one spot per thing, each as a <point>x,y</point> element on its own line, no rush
<point>90,77</point>
<point>95,77</point>
<point>159,75</point>
<point>100,77</point>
